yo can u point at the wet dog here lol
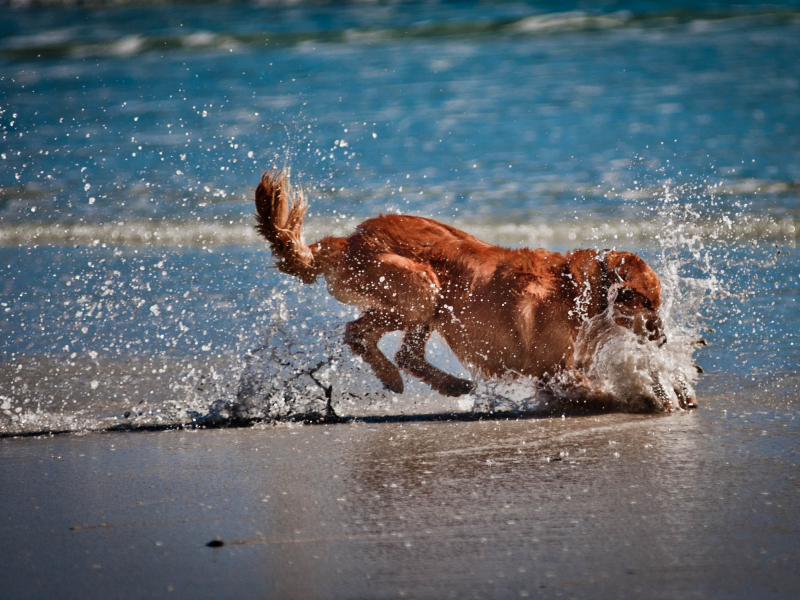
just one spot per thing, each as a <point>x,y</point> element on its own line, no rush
<point>500,311</point>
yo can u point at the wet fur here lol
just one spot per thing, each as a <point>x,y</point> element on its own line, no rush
<point>500,311</point>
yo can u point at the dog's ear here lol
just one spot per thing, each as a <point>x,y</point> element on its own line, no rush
<point>585,282</point>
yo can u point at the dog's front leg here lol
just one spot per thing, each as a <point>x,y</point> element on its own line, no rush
<point>684,392</point>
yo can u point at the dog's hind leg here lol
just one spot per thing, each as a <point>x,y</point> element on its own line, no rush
<point>362,335</point>
<point>411,357</point>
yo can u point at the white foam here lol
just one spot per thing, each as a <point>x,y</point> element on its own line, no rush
<point>570,21</point>
<point>537,233</point>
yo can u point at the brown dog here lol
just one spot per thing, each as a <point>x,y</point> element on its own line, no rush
<point>500,311</point>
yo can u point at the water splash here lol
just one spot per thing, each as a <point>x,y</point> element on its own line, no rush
<point>289,375</point>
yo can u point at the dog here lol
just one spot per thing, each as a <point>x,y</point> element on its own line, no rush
<point>500,311</point>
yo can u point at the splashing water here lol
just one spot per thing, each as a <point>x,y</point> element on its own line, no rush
<point>631,374</point>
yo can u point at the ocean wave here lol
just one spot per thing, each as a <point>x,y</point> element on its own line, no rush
<point>73,42</point>
<point>207,234</point>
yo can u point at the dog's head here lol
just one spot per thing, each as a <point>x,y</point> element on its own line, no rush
<point>635,311</point>
<point>620,280</point>
<point>634,291</point>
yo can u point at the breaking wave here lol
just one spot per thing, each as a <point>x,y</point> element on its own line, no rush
<point>62,42</point>
<point>537,232</point>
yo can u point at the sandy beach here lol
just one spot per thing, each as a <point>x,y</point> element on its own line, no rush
<point>685,505</point>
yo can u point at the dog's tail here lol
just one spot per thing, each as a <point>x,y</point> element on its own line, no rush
<point>279,215</point>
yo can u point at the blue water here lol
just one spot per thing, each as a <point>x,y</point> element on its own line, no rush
<point>130,135</point>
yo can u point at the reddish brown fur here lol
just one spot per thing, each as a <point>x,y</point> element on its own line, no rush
<point>500,311</point>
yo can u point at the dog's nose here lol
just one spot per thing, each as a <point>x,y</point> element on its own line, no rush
<point>655,332</point>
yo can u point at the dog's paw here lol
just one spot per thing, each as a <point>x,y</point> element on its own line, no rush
<point>395,384</point>
<point>457,387</point>
<point>676,390</point>
<point>684,393</point>
<point>662,394</point>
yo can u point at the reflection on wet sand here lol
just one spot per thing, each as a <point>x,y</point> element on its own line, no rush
<point>523,504</point>
<point>575,507</point>
<point>596,506</point>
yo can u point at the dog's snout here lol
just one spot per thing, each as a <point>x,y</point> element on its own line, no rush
<point>655,331</point>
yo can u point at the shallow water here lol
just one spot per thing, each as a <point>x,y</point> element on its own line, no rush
<point>130,135</point>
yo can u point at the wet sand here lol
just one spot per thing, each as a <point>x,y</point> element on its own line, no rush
<point>697,505</point>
